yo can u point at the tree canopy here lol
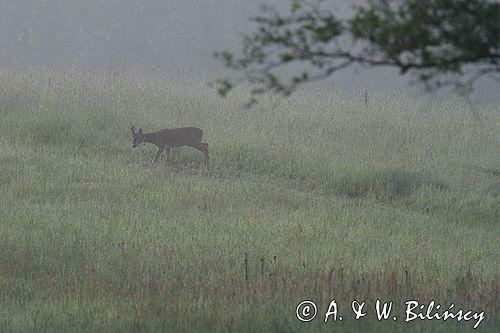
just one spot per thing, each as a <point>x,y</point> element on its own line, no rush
<point>439,42</point>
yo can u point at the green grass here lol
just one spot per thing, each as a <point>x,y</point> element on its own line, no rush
<point>313,197</point>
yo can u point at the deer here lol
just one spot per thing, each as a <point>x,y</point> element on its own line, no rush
<point>168,138</point>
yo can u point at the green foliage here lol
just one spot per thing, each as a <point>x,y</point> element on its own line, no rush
<point>440,35</point>
<point>441,42</point>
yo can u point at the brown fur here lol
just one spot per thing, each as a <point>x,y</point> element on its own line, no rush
<point>166,139</point>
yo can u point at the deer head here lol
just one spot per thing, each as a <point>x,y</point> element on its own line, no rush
<point>137,136</point>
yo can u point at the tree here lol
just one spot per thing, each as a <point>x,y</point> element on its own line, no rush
<point>440,42</point>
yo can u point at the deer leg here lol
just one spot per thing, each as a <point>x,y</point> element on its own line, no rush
<point>205,146</point>
<point>158,153</point>
<point>167,151</point>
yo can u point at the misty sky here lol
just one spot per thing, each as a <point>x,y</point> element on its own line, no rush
<point>169,36</point>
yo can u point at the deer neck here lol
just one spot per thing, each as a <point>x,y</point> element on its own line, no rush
<point>150,138</point>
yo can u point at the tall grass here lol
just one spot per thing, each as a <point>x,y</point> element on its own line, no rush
<point>313,197</point>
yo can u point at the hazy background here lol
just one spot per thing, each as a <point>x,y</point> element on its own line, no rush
<point>175,38</point>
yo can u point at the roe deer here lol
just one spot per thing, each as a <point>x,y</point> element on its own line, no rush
<point>167,138</point>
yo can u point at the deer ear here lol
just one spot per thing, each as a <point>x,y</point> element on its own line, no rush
<point>140,131</point>
<point>133,129</point>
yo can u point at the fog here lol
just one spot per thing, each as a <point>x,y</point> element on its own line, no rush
<point>174,37</point>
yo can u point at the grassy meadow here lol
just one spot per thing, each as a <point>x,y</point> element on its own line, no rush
<point>317,197</point>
